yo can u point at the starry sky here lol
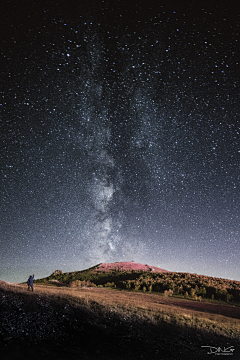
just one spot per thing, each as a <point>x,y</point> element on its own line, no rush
<point>119,136</point>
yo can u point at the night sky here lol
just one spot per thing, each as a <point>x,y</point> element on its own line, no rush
<point>119,136</point>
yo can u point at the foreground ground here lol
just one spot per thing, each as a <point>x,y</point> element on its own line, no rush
<point>94,323</point>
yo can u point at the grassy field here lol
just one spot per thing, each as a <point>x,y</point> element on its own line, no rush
<point>102,323</point>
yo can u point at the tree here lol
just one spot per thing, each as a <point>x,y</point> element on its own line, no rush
<point>192,293</point>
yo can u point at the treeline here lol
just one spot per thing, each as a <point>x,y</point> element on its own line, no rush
<point>188,285</point>
<point>183,284</point>
<point>98,278</point>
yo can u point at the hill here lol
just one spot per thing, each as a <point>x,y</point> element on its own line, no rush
<point>102,273</point>
<point>122,310</point>
<point>99,323</point>
<point>139,277</point>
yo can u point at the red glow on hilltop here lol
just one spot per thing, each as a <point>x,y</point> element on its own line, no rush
<point>128,266</point>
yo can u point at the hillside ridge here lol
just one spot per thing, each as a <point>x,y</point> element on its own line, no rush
<point>128,266</point>
<point>139,277</point>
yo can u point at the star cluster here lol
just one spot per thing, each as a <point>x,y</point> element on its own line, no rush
<point>120,136</point>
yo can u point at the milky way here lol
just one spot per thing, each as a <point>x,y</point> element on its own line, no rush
<point>120,136</point>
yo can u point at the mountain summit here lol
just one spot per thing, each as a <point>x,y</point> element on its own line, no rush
<point>127,266</point>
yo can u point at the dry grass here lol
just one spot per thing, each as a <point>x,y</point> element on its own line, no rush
<point>205,317</point>
<point>100,323</point>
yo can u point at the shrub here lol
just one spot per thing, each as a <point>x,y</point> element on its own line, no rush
<point>111,285</point>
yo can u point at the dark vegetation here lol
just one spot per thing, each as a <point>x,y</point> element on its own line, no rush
<point>171,283</point>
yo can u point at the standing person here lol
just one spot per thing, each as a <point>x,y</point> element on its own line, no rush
<point>30,282</point>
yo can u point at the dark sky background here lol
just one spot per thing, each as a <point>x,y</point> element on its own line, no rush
<point>119,136</point>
